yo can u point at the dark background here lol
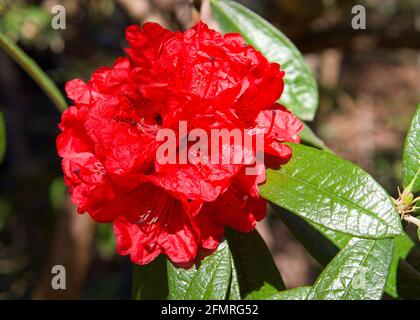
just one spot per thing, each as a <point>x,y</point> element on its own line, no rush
<point>369,85</point>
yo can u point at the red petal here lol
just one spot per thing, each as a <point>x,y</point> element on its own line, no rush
<point>156,222</point>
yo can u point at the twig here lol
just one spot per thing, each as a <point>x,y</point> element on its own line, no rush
<point>412,220</point>
<point>34,71</point>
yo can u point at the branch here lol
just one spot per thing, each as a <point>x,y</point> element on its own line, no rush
<point>412,220</point>
<point>34,71</point>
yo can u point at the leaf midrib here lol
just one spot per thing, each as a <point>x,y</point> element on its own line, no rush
<point>361,266</point>
<point>350,204</point>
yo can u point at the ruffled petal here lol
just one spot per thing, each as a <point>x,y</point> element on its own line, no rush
<point>156,223</point>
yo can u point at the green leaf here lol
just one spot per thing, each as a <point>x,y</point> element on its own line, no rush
<point>358,272</point>
<point>332,192</point>
<point>402,246</point>
<point>310,138</point>
<point>300,293</point>
<point>258,275</point>
<point>2,137</point>
<point>411,154</point>
<point>150,282</point>
<point>300,92</point>
<point>209,281</point>
<point>241,267</point>
<point>234,291</point>
<point>323,244</point>
<point>34,71</point>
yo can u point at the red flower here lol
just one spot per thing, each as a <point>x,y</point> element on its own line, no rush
<point>110,147</point>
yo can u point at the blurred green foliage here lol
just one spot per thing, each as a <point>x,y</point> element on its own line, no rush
<point>30,25</point>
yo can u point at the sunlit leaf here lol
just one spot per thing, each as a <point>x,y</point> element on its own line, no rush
<point>208,281</point>
<point>332,192</point>
<point>358,272</point>
<point>411,154</point>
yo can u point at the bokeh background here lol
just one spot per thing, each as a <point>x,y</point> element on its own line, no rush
<point>369,85</point>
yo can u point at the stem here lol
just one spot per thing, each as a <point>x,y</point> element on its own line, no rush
<point>412,220</point>
<point>34,71</point>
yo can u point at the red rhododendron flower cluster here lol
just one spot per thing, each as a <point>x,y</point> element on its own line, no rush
<point>108,141</point>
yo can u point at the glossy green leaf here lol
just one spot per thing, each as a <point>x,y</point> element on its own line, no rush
<point>34,71</point>
<point>300,92</point>
<point>300,293</point>
<point>402,246</point>
<point>332,192</point>
<point>179,280</point>
<point>358,272</point>
<point>323,244</point>
<point>241,267</point>
<point>258,275</point>
<point>411,154</point>
<point>209,281</point>
<point>150,282</point>
<point>2,137</point>
<point>234,291</point>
